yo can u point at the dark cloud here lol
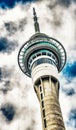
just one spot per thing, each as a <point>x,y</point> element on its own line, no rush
<point>31,127</point>
<point>6,86</point>
<point>57,19</point>
<point>8,111</point>
<point>5,75</point>
<point>12,27</point>
<point>65,3</point>
<point>70,70</point>
<point>72,118</point>
<point>0,74</point>
<point>69,92</point>
<point>7,46</point>
<point>22,23</point>
<point>57,13</point>
<point>7,83</point>
<point>72,114</point>
<point>11,3</point>
<point>74,1</point>
<point>52,4</point>
<point>7,79</point>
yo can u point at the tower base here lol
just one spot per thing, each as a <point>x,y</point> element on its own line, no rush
<point>47,90</point>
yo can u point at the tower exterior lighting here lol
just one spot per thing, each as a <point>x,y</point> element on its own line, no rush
<point>41,58</point>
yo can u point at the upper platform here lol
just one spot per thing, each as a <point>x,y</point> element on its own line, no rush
<point>40,41</point>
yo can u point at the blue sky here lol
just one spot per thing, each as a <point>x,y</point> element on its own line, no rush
<point>10,4</point>
<point>70,70</point>
<point>16,27</point>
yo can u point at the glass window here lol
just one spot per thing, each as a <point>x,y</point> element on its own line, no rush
<point>42,104</point>
<point>40,88</point>
<point>43,53</point>
<point>43,60</point>
<point>45,123</point>
<point>43,113</point>
<point>41,96</point>
<point>49,54</point>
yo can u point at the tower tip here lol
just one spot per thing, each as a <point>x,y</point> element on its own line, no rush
<point>34,11</point>
<point>36,24</point>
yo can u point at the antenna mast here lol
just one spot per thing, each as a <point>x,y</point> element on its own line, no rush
<point>36,24</point>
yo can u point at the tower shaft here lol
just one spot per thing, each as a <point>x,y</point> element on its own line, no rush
<point>47,90</point>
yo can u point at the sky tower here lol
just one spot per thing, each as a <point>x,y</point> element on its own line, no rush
<point>41,58</point>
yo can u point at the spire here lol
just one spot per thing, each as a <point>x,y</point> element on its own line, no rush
<point>36,24</point>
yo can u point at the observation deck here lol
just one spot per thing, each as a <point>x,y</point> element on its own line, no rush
<point>41,46</point>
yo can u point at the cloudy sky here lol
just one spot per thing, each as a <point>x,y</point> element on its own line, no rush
<point>19,107</point>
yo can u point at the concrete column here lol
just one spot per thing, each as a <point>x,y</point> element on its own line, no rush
<point>47,90</point>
